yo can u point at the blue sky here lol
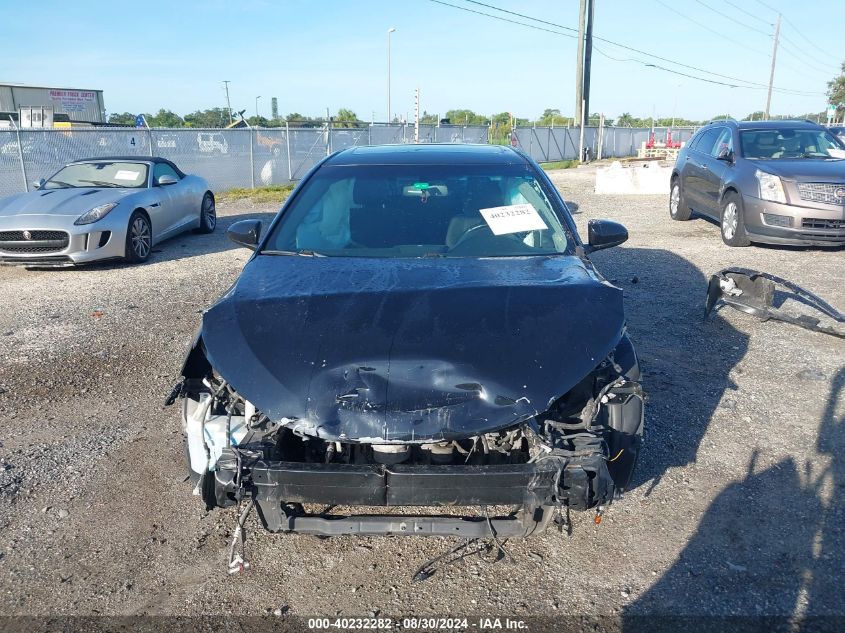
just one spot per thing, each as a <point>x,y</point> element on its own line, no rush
<point>314,55</point>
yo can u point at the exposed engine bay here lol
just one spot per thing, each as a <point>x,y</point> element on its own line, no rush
<point>576,455</point>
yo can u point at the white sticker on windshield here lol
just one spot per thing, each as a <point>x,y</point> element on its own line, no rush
<point>125,174</point>
<point>513,218</point>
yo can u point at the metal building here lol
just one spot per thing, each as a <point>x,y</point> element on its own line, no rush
<point>75,103</point>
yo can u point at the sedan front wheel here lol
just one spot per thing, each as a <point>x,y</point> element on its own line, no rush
<point>139,238</point>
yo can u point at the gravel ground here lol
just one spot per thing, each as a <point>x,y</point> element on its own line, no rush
<point>737,508</point>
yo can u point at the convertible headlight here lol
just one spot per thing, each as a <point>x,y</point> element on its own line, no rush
<point>97,213</point>
<point>771,187</point>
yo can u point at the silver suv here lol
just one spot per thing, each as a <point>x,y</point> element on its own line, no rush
<point>776,182</point>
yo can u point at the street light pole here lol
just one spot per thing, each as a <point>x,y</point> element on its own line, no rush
<point>389,31</point>
<point>256,106</point>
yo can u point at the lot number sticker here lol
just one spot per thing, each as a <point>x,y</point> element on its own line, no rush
<point>125,174</point>
<point>514,218</point>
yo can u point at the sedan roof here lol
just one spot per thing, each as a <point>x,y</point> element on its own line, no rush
<point>428,154</point>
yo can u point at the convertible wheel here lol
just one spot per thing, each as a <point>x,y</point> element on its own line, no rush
<point>208,215</point>
<point>733,225</point>
<point>139,238</point>
<point>678,209</point>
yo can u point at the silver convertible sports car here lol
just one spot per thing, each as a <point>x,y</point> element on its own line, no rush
<point>103,208</point>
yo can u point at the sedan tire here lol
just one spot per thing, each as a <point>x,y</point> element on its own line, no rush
<point>208,214</point>
<point>139,238</point>
<point>678,209</point>
<point>733,222</point>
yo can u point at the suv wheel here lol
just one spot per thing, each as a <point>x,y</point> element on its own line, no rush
<point>733,224</point>
<point>678,209</point>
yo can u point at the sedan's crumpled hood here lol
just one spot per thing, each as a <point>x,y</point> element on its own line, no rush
<point>70,201</point>
<point>805,169</point>
<point>381,350</point>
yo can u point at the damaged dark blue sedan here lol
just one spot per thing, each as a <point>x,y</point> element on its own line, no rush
<point>420,326</point>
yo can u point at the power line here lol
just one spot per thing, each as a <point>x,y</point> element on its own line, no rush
<point>712,81</point>
<point>748,13</point>
<point>724,36</point>
<point>751,84</point>
<point>714,31</point>
<point>801,56</point>
<point>522,15</point>
<point>807,39</point>
<point>668,70</point>
<point>733,19</point>
<point>790,23</point>
<point>496,17</point>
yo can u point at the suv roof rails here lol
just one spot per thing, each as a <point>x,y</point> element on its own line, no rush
<point>728,120</point>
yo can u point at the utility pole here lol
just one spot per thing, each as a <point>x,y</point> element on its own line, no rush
<point>588,57</point>
<point>228,104</point>
<point>774,59</point>
<point>389,31</point>
<point>417,115</point>
<point>579,62</point>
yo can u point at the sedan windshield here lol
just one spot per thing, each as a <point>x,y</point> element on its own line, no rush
<point>99,174</point>
<point>789,143</point>
<point>421,211</point>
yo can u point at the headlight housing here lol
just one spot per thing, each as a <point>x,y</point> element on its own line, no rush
<point>97,213</point>
<point>771,187</point>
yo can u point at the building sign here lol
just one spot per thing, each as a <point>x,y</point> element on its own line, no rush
<point>73,100</point>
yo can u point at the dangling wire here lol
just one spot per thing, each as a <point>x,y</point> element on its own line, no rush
<point>237,563</point>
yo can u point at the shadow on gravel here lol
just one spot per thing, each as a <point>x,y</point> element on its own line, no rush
<point>686,361</point>
<point>770,548</point>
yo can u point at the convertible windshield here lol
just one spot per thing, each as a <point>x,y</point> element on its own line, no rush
<point>420,211</point>
<point>790,143</point>
<point>99,174</point>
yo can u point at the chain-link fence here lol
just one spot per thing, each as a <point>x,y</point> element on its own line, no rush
<point>244,157</point>
<point>227,158</point>
<point>548,144</point>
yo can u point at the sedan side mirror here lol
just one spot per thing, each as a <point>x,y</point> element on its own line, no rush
<point>166,179</point>
<point>245,233</point>
<point>726,154</point>
<point>604,234</point>
<point>37,184</point>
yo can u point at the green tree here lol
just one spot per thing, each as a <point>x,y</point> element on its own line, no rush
<point>553,117</point>
<point>164,118</point>
<point>465,117</point>
<point>127,118</point>
<point>346,118</point>
<point>836,91</point>
<point>213,117</point>
<point>428,119</point>
<point>295,119</point>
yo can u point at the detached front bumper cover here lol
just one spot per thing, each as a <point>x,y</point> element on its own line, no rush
<point>754,293</point>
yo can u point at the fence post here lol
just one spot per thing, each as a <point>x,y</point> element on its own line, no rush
<point>601,137</point>
<point>251,161</point>
<point>287,142</point>
<point>20,155</point>
<point>150,133</point>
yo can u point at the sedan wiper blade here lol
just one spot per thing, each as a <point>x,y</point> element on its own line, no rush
<point>302,253</point>
<point>62,185</point>
<point>101,183</point>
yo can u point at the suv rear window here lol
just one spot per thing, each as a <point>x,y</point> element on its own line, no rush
<point>708,140</point>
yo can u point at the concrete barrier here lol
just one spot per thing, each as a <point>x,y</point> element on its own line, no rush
<point>639,178</point>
